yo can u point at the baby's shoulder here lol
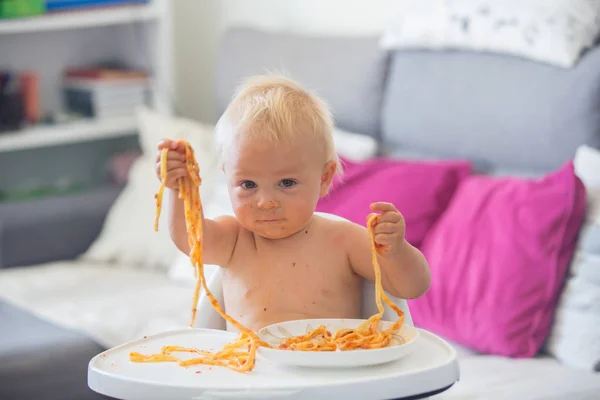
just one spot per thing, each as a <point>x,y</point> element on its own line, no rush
<point>330,221</point>
<point>333,224</point>
<point>229,224</point>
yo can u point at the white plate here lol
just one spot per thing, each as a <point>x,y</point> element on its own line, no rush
<point>274,335</point>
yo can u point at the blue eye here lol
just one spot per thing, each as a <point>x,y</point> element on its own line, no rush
<point>287,183</point>
<point>248,185</point>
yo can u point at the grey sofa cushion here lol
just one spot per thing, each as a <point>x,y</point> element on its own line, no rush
<point>500,112</point>
<point>39,360</point>
<point>348,72</point>
<point>54,228</point>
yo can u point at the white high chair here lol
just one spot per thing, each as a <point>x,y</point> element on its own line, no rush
<point>429,369</point>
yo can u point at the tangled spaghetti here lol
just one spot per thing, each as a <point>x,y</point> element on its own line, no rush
<point>240,354</point>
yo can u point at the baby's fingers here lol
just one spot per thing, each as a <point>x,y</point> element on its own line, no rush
<point>372,219</point>
<point>383,207</point>
<point>172,165</point>
<point>390,216</point>
<point>171,145</point>
<point>386,227</point>
<point>175,156</point>
<point>386,239</point>
<point>174,175</point>
<point>384,242</point>
<point>166,144</point>
<point>171,156</point>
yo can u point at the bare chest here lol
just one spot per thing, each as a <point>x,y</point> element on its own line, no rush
<point>312,281</point>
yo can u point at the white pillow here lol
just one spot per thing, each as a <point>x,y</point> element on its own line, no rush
<point>552,31</point>
<point>128,236</point>
<point>575,335</point>
<point>354,146</point>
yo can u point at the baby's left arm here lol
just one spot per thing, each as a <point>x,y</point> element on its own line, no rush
<point>404,270</point>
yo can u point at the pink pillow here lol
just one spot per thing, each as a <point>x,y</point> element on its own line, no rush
<point>498,257</point>
<point>420,191</point>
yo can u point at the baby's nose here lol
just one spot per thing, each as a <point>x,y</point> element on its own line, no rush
<point>267,204</point>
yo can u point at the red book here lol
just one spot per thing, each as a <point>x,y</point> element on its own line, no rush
<point>30,90</point>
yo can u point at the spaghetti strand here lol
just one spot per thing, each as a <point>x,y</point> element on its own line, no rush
<point>188,188</point>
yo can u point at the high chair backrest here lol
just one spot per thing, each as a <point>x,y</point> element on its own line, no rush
<point>207,317</point>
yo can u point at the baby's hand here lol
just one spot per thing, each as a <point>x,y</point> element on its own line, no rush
<point>389,228</point>
<point>176,167</point>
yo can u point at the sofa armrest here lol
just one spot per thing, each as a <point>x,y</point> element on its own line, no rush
<point>51,229</point>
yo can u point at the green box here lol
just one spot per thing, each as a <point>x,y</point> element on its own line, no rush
<point>21,8</point>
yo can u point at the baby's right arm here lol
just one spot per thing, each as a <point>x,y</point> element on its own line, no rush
<point>220,234</point>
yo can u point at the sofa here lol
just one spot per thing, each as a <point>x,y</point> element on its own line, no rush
<point>87,272</point>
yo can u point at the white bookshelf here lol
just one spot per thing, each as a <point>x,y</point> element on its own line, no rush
<point>140,35</point>
<point>81,19</point>
<point>67,133</point>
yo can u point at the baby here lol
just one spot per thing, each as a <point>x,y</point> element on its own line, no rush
<point>280,260</point>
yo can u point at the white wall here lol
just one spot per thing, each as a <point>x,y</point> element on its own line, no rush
<point>198,24</point>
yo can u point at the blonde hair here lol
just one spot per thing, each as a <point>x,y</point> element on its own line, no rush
<point>274,108</point>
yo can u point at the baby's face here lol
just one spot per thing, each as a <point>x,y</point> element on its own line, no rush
<point>274,188</point>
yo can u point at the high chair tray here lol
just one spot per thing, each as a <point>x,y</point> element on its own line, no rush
<point>431,368</point>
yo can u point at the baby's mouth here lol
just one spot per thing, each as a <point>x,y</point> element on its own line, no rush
<point>270,220</point>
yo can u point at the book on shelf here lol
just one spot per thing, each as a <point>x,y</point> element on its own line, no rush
<point>104,93</point>
<point>19,99</point>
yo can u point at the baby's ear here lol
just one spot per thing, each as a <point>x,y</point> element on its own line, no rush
<point>327,177</point>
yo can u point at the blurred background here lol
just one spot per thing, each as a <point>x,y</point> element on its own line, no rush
<point>201,23</point>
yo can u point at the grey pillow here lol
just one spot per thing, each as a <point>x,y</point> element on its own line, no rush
<point>500,112</point>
